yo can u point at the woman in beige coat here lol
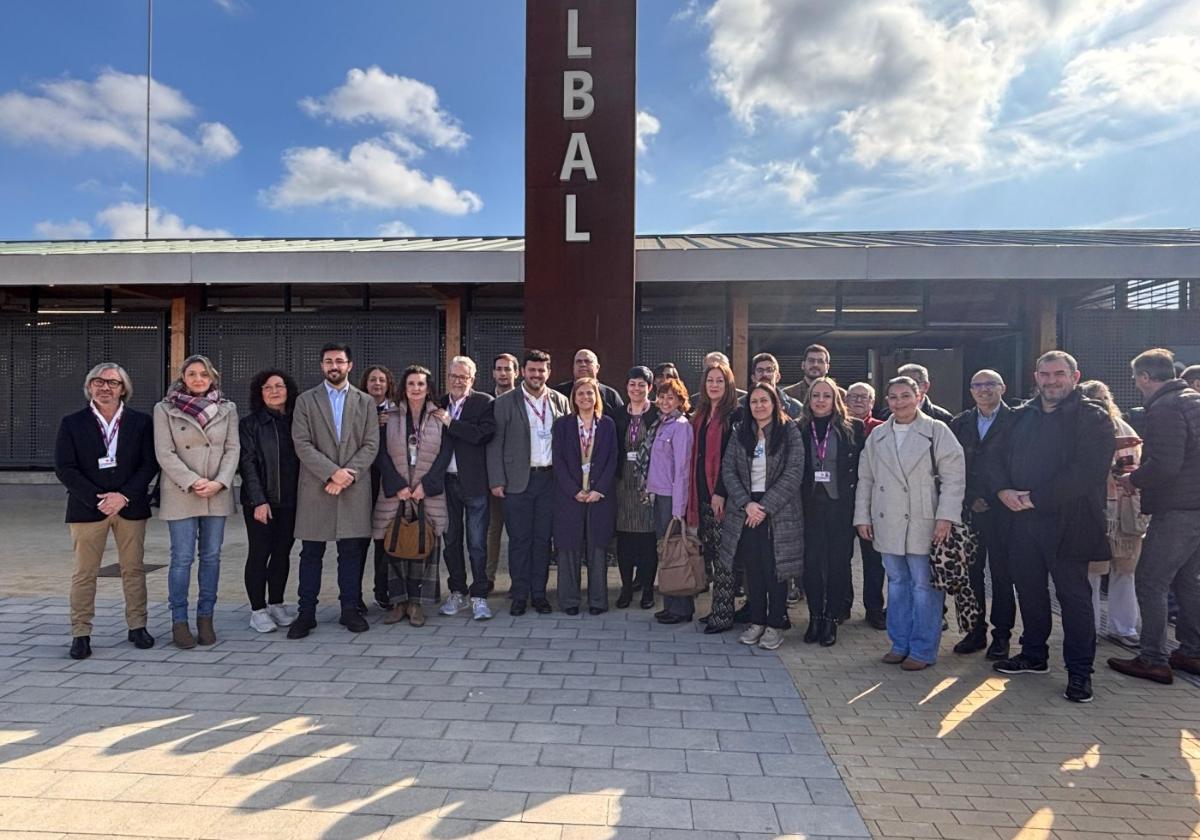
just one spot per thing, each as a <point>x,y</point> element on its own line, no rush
<point>911,482</point>
<point>197,443</point>
<point>412,468</point>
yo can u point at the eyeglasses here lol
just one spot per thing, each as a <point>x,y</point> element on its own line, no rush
<point>106,383</point>
<point>279,387</point>
<point>765,370</point>
<point>858,397</point>
<point>459,377</point>
<point>334,362</point>
<point>985,386</point>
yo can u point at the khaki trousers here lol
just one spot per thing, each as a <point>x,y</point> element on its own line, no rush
<point>90,539</point>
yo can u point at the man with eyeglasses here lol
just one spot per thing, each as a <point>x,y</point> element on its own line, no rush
<point>766,369</point>
<point>983,431</point>
<point>335,429</point>
<point>104,456</point>
<point>469,425</point>
<point>504,374</point>
<point>816,365</point>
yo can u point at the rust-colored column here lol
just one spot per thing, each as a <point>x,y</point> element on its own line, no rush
<point>580,106</point>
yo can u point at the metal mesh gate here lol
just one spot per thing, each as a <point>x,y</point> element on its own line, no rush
<point>241,344</point>
<point>43,361</point>
<point>1104,342</point>
<point>683,340</point>
<point>488,335</point>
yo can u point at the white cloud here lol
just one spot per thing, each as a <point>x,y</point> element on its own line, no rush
<point>647,127</point>
<point>109,113</point>
<point>739,181</point>
<point>1158,75</point>
<point>73,229</point>
<point>397,228</point>
<point>127,220</point>
<point>372,175</point>
<point>407,106</point>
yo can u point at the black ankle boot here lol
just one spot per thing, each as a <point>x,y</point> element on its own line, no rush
<point>625,598</point>
<point>828,632</point>
<point>816,625</point>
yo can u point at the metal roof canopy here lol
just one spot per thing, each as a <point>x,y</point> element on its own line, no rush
<point>896,255</point>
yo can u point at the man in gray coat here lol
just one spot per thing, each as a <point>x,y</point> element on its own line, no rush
<point>336,433</point>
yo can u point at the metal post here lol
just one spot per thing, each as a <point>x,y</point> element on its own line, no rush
<point>149,78</point>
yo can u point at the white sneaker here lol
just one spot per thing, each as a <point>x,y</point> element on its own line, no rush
<point>771,639</point>
<point>281,615</point>
<point>454,602</point>
<point>480,610</point>
<point>753,633</point>
<point>260,621</point>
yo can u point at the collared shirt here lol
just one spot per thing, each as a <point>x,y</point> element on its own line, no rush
<point>540,448</point>
<point>455,409</point>
<point>983,424</point>
<point>109,429</point>
<point>337,402</point>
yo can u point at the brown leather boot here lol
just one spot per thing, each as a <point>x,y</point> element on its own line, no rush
<point>205,635</point>
<point>182,636</point>
<point>415,615</point>
<point>1191,664</point>
<point>397,615</point>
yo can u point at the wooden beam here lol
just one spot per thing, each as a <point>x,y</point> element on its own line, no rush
<point>454,335</point>
<point>740,355</point>
<point>179,313</point>
<point>1041,325</point>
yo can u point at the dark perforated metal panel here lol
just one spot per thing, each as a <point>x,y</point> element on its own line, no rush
<point>240,344</point>
<point>684,340</point>
<point>488,335</point>
<point>1104,342</point>
<point>43,361</point>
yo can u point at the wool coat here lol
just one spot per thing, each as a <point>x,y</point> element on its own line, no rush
<point>320,516</point>
<point>186,453</point>
<point>902,494</point>
<point>785,511</point>
<point>570,515</point>
<point>429,473</point>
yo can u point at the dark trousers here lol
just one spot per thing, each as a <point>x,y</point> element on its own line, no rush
<point>350,554</point>
<point>637,558</point>
<point>873,576</point>
<point>1034,557</point>
<point>380,581</point>
<point>474,509</point>
<point>1170,559</point>
<point>828,549</point>
<point>529,520</point>
<point>993,527</point>
<point>765,594</point>
<point>269,555</point>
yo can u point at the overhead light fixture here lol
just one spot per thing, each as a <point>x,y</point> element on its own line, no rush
<point>869,310</point>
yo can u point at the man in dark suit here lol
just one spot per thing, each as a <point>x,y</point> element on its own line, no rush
<point>467,416</point>
<point>982,431</point>
<point>519,463</point>
<point>105,457</point>
<point>588,364</point>
<point>766,369</point>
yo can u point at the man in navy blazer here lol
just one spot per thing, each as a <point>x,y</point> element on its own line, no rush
<point>104,456</point>
<point>469,425</point>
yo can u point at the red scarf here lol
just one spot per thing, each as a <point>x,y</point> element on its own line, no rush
<point>712,462</point>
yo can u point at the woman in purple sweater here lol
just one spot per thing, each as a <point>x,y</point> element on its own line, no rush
<point>668,478</point>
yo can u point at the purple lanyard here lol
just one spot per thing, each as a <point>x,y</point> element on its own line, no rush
<point>822,445</point>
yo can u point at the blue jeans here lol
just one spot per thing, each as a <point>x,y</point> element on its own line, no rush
<point>208,532</point>
<point>476,511</point>
<point>351,552</point>
<point>914,611</point>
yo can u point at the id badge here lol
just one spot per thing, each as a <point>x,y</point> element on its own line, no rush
<point>412,457</point>
<point>822,476</point>
<point>631,457</point>
<point>107,462</point>
<point>587,468</point>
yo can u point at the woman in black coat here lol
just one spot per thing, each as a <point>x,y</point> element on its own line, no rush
<point>270,470</point>
<point>833,441</point>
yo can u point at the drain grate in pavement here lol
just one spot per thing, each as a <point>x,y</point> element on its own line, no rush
<point>114,569</point>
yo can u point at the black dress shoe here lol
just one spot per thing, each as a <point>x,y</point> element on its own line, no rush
<point>675,619</point>
<point>662,612</point>
<point>569,610</point>
<point>704,619</point>
<point>974,641</point>
<point>828,637</point>
<point>304,624</point>
<point>877,619</point>
<point>596,611</point>
<point>384,604</point>
<point>814,629</point>
<point>998,649</point>
<point>362,607</point>
<point>647,602</point>
<point>542,607</point>
<point>81,647</point>
<point>711,629</point>
<point>625,598</point>
<point>516,607</point>
<point>141,639</point>
<point>353,621</point>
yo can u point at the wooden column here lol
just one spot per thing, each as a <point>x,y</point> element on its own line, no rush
<point>740,351</point>
<point>454,333</point>
<point>182,308</point>
<point>1041,326</point>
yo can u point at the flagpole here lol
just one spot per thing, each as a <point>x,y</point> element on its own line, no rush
<point>149,77</point>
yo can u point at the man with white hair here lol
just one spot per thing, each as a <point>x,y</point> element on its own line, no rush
<point>104,456</point>
<point>920,375</point>
<point>860,399</point>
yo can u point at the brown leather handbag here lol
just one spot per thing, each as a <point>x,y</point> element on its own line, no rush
<point>680,563</point>
<point>410,536</point>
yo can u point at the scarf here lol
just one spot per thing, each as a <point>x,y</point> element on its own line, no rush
<point>712,462</point>
<point>641,467</point>
<point>200,409</point>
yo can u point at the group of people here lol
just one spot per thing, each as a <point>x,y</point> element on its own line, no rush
<point>775,483</point>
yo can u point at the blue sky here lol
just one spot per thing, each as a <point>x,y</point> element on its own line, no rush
<point>306,118</point>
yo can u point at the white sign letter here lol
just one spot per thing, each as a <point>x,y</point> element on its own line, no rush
<point>578,156</point>
<point>573,48</point>
<point>578,102</point>
<point>574,235</point>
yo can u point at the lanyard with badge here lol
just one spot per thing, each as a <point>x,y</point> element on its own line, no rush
<point>456,408</point>
<point>108,433</point>
<point>586,438</point>
<point>820,447</point>
<point>414,439</point>
<point>635,432</point>
<point>543,431</point>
